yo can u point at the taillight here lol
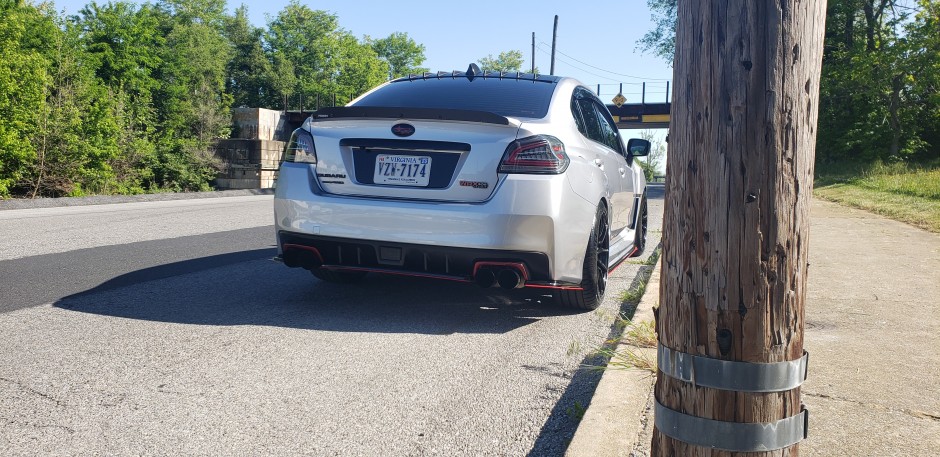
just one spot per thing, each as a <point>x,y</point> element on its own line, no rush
<point>300,148</point>
<point>539,154</point>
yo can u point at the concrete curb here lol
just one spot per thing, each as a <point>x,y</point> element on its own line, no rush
<point>25,203</point>
<point>614,420</point>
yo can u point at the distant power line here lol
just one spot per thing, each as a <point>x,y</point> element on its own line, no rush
<point>548,52</point>
<point>602,69</point>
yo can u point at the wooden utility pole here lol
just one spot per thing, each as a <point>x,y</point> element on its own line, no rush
<point>533,53</point>
<point>735,244</point>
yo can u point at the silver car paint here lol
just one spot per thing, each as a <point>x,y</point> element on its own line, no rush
<point>510,217</point>
<point>557,226</point>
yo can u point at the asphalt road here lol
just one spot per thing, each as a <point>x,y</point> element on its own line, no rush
<point>165,328</point>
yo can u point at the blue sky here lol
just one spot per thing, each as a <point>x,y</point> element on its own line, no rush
<point>596,40</point>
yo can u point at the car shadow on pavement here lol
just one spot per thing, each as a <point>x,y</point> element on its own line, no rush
<point>263,292</point>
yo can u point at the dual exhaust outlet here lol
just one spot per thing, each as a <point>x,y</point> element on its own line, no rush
<point>507,278</point>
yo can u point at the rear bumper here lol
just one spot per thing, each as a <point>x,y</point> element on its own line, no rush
<point>437,262</point>
<point>537,220</point>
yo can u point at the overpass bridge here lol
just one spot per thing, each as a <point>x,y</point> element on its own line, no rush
<point>641,115</point>
<point>652,111</point>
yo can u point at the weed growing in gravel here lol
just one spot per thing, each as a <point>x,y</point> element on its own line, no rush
<point>651,260</point>
<point>631,359</point>
<point>629,348</point>
<point>626,351</point>
<point>576,411</point>
<point>574,348</point>
<point>641,334</point>
<point>634,295</point>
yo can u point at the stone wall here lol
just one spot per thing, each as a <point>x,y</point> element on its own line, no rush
<point>248,164</point>
<point>258,124</point>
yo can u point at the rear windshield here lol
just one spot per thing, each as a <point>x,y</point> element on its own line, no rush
<point>506,97</point>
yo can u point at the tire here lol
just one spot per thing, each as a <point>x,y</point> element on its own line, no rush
<point>338,277</point>
<point>596,268</point>
<point>639,240</point>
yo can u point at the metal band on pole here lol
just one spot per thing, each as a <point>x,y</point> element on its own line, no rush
<point>732,436</point>
<point>732,375</point>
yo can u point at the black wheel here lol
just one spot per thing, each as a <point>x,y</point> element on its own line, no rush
<point>639,241</point>
<point>339,277</point>
<point>596,261</point>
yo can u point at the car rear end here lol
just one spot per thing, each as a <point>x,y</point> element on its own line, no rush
<point>449,183</point>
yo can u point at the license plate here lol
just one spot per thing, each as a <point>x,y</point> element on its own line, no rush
<point>399,170</point>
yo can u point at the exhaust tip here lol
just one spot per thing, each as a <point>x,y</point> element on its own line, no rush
<point>485,278</point>
<point>291,258</point>
<point>509,279</point>
<point>300,258</point>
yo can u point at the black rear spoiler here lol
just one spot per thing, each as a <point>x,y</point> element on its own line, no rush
<point>385,112</point>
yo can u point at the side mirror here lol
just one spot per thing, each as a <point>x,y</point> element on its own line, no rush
<point>637,147</point>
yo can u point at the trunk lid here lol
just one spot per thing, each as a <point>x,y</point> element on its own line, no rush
<point>442,160</point>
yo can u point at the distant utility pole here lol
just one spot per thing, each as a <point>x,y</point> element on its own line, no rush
<point>554,39</point>
<point>533,53</point>
<point>736,228</point>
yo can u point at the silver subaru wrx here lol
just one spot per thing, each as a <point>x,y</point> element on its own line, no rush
<point>515,180</point>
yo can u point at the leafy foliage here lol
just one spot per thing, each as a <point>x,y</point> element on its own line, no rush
<point>879,94</point>
<point>655,163</point>
<point>23,80</point>
<point>404,55</point>
<point>128,98</point>
<point>250,71</point>
<point>506,61</point>
<point>326,59</point>
<point>661,41</point>
<point>880,87</point>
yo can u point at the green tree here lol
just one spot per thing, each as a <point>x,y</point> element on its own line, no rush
<point>124,45</point>
<point>923,42</point>
<point>506,61</point>
<point>75,139</point>
<point>248,77</point>
<point>661,41</point>
<point>876,96</point>
<point>210,13</point>
<point>193,104</point>
<point>404,55</point>
<point>326,59</point>
<point>361,69</point>
<point>310,41</point>
<point>22,82</point>
<point>879,87</point>
<point>193,108</point>
<point>283,79</point>
<point>655,163</point>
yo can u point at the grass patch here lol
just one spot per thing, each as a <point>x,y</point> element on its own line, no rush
<point>630,350</point>
<point>634,294</point>
<point>641,334</point>
<point>626,358</point>
<point>903,192</point>
<point>649,261</point>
